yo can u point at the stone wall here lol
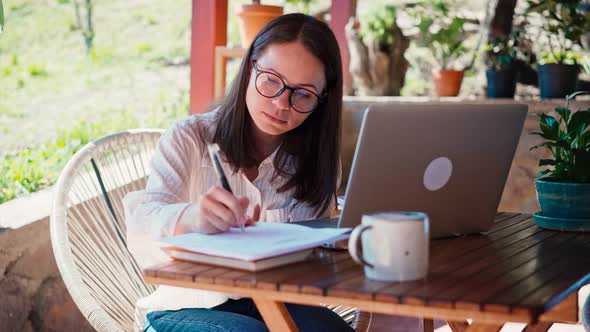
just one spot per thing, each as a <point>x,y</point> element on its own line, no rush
<point>33,295</point>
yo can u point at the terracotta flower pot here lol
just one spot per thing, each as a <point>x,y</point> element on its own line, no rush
<point>447,82</point>
<point>252,18</point>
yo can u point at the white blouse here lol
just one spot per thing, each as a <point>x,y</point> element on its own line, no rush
<point>180,174</point>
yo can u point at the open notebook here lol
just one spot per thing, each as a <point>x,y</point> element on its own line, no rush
<point>261,246</point>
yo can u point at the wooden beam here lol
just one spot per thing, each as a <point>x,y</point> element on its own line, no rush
<point>458,326</point>
<point>565,312</point>
<point>340,13</point>
<point>275,315</point>
<point>209,29</point>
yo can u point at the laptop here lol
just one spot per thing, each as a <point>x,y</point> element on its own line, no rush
<point>450,161</point>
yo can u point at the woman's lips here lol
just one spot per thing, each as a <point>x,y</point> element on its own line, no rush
<point>273,119</point>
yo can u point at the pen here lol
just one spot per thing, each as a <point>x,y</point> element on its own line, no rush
<point>214,155</point>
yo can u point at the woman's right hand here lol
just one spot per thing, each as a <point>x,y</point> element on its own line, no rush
<point>218,210</point>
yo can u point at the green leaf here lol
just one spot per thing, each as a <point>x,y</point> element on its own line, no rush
<point>579,122</point>
<point>543,172</point>
<point>549,127</point>
<point>564,113</point>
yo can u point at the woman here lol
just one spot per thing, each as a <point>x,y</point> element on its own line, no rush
<point>278,131</point>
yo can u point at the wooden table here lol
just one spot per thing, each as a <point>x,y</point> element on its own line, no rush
<point>517,272</point>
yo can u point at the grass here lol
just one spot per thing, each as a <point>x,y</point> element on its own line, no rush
<point>46,74</point>
<point>55,97</point>
<point>36,168</point>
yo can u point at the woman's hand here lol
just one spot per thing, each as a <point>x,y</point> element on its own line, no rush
<point>217,211</point>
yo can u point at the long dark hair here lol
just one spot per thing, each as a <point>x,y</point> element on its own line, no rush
<point>313,147</point>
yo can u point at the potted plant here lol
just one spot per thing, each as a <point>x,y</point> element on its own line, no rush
<point>254,16</point>
<point>500,59</point>
<point>563,190</point>
<point>563,26</point>
<point>443,33</point>
<point>505,57</point>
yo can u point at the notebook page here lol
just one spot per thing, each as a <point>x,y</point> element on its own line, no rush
<point>263,240</point>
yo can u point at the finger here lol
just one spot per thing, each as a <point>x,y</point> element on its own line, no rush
<point>256,213</point>
<point>212,221</point>
<point>255,216</point>
<point>219,209</point>
<point>229,200</point>
<point>243,220</point>
<point>244,201</point>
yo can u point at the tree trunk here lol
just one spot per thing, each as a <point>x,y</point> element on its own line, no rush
<point>501,25</point>
<point>376,72</point>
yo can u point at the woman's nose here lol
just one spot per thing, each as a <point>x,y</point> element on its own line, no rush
<point>282,100</point>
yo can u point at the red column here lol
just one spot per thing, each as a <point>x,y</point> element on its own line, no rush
<point>208,29</point>
<point>340,12</point>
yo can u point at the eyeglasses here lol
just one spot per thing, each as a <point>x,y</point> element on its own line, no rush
<point>271,85</point>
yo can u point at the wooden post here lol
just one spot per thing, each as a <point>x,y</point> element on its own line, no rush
<point>275,315</point>
<point>340,13</point>
<point>208,30</point>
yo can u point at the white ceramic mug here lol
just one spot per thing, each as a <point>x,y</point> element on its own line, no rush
<point>394,245</point>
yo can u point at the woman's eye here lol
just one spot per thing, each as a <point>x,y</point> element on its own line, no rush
<point>270,79</point>
<point>303,94</point>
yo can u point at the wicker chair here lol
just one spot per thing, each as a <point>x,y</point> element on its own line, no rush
<point>88,230</point>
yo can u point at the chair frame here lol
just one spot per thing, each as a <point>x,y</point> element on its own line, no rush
<point>62,250</point>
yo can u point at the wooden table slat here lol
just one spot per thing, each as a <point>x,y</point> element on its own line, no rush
<point>320,286</point>
<point>556,264</point>
<point>513,280</point>
<point>467,244</point>
<point>471,271</point>
<point>294,284</point>
<point>446,265</point>
<point>489,274</point>
<point>501,221</point>
<point>359,287</point>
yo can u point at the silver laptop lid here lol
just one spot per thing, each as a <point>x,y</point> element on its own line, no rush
<point>448,160</point>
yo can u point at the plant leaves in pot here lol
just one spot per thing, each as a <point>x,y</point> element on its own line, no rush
<point>504,56</point>
<point>563,26</point>
<point>443,32</point>
<point>563,189</point>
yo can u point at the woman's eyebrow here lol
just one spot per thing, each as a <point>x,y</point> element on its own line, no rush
<point>283,77</point>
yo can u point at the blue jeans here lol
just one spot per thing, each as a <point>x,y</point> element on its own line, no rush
<point>243,316</point>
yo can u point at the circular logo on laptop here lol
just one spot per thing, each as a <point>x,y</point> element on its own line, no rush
<point>438,173</point>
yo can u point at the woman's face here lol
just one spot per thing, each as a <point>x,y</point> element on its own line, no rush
<point>298,68</point>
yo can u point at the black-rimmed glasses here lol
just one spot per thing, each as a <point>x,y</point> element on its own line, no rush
<point>271,85</point>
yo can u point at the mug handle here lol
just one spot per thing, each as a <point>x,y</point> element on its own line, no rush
<point>355,245</point>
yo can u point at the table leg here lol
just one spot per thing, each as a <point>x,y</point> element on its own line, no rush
<point>539,327</point>
<point>428,325</point>
<point>482,327</point>
<point>458,326</point>
<point>275,315</point>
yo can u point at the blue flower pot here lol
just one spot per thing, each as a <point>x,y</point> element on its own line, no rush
<point>557,80</point>
<point>563,200</point>
<point>501,83</point>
